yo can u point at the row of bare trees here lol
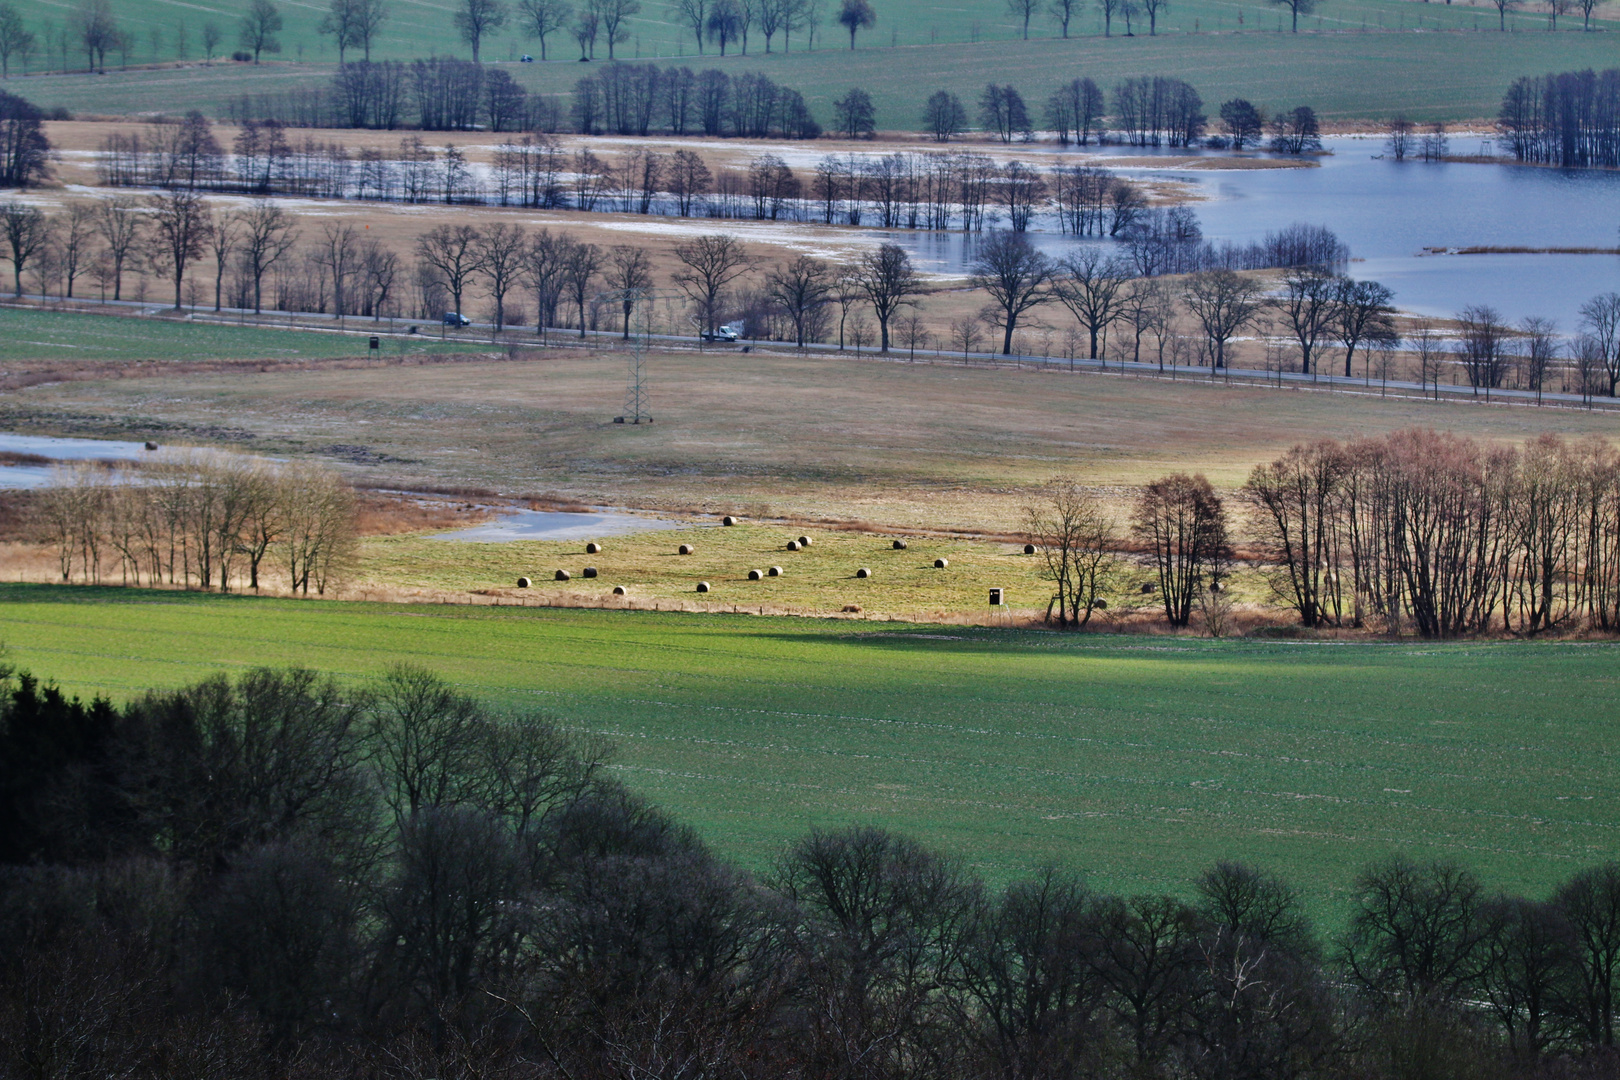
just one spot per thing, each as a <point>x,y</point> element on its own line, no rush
<point>201,520</point>
<point>279,875</point>
<point>1419,530</point>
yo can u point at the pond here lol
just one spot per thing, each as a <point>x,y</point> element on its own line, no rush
<point>37,475</point>
<point>1389,212</point>
<point>547,525</point>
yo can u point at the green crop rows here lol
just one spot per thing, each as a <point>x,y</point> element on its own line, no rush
<point>1136,759</point>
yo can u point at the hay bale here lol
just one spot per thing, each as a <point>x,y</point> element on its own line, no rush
<point>151,446</point>
<point>1150,587</point>
<point>593,548</point>
<point>1029,549</point>
<point>793,545</point>
<point>863,572</point>
<point>728,520</point>
<point>804,541</point>
<point>523,583</point>
<point>899,545</point>
<point>685,549</point>
<point>589,571</point>
<point>775,571</point>
<point>755,575</point>
<point>940,564</point>
<point>563,575</point>
<point>703,586</point>
<point>1100,604</point>
<point>618,590</point>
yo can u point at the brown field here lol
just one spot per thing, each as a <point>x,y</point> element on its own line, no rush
<point>766,434</point>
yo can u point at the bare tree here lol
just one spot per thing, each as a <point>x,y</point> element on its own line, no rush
<point>889,282</point>
<point>1481,344</point>
<point>1153,9</point>
<point>800,288</point>
<point>581,266</point>
<point>944,117</point>
<point>1587,7</point>
<point>1502,8</point>
<point>502,255</point>
<point>354,23</point>
<point>1365,311</point>
<point>222,239</point>
<point>339,251</point>
<point>612,15</point>
<point>1600,319</point>
<point>258,28</point>
<point>451,253</point>
<point>695,14</point>
<point>1296,8</point>
<point>966,333</point>
<point>1309,304</point>
<point>180,232</point>
<point>856,15</point>
<point>1017,277</point>
<point>268,233</point>
<point>120,222</point>
<point>1024,10</point>
<point>1223,302</point>
<point>1181,523</point>
<point>1063,13</point>
<point>1074,537</point>
<point>96,30</point>
<point>1089,285</point>
<point>477,19</point>
<point>211,37</point>
<point>630,275</point>
<point>74,240</point>
<point>15,38</point>
<point>27,232</point>
<point>709,265</point>
<point>1296,502</point>
<point>543,17</point>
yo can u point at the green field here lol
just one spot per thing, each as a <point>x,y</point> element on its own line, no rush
<point>32,336</point>
<point>1344,73</point>
<point>1136,759</point>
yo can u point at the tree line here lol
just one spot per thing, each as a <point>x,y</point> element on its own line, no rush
<point>1570,119</point>
<point>201,520</point>
<point>1414,530</point>
<point>276,874</point>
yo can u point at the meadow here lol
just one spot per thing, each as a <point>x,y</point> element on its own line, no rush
<point>1357,62</point>
<point>1138,760</point>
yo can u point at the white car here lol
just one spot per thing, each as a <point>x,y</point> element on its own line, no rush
<point>729,332</point>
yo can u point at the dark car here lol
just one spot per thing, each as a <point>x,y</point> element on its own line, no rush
<point>456,318</point>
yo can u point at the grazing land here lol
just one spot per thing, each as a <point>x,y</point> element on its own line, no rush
<point>1138,760</point>
<point>1448,72</point>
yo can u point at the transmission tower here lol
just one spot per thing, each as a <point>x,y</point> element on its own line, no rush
<point>637,400</point>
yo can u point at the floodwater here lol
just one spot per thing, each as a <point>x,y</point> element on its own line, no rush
<point>545,525</point>
<point>16,477</point>
<point>1389,212</point>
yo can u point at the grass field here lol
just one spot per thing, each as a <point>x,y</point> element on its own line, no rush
<point>33,336</point>
<point>1138,760</point>
<point>1345,74</point>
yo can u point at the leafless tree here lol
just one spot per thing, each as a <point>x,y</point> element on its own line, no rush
<point>74,240</point>
<point>180,232</point>
<point>259,25</point>
<point>339,250</point>
<point>268,233</point>
<point>211,37</point>
<point>1153,9</point>
<point>1296,8</point>
<point>1223,302</point>
<point>1364,312</point>
<point>889,282</point>
<point>1296,502</point>
<point>630,275</point>
<point>1089,284</point>
<point>1309,305</point>
<point>97,31</point>
<point>477,19</point>
<point>1600,320</point>
<point>1024,10</point>
<point>709,264</point>
<point>966,333</point>
<point>1587,7</point>
<point>503,252</point>
<point>380,265</point>
<point>581,266</point>
<point>944,116</point>
<point>1181,523</point>
<point>800,288</point>
<point>222,240</point>
<point>120,223</point>
<point>542,18</point>
<point>16,40</point>
<point>612,15</point>
<point>451,253</point>
<point>1017,277</point>
<point>1074,537</point>
<point>695,14</point>
<point>27,232</point>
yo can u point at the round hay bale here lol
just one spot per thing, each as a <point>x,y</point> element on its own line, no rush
<point>593,548</point>
<point>804,541</point>
<point>1100,604</point>
<point>728,520</point>
<point>1216,587</point>
<point>589,571</point>
<point>685,549</point>
<point>755,575</point>
<point>899,545</point>
<point>775,571</point>
<point>863,572</point>
<point>703,586</point>
<point>1029,549</point>
<point>618,590</point>
<point>151,446</point>
<point>563,575</point>
<point>523,583</point>
<point>793,545</point>
<point>940,564</point>
<point>1150,587</point>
